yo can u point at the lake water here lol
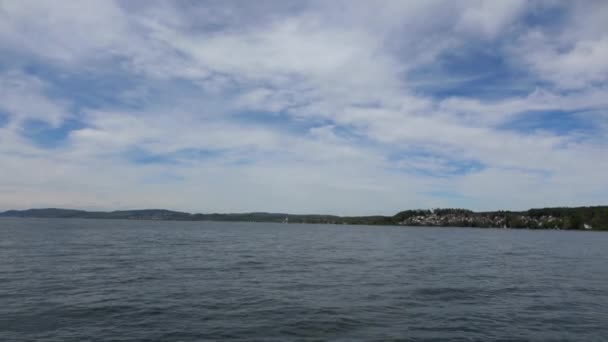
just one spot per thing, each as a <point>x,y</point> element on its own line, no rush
<point>113,280</point>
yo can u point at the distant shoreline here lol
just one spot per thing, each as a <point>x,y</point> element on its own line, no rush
<point>563,218</point>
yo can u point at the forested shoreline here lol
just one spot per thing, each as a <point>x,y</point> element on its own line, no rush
<point>579,218</point>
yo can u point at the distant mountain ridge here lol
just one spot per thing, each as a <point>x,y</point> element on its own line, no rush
<point>595,218</point>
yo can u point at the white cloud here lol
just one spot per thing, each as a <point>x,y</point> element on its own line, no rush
<point>333,83</point>
<point>65,32</point>
<point>489,18</point>
<point>573,55</point>
<point>571,65</point>
<point>23,98</point>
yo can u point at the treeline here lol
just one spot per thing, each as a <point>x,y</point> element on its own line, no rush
<point>576,218</point>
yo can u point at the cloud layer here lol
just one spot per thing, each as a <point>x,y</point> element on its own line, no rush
<point>345,107</point>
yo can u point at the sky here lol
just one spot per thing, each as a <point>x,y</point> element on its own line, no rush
<point>340,107</point>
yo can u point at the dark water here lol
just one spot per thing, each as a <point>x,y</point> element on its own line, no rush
<point>98,280</point>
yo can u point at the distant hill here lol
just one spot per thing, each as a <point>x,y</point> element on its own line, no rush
<point>145,214</point>
<point>595,218</point>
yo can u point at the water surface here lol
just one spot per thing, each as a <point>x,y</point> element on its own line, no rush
<point>114,280</point>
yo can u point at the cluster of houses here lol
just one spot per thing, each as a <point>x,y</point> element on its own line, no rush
<point>456,219</point>
<point>485,220</point>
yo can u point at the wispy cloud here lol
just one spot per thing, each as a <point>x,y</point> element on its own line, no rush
<point>307,106</point>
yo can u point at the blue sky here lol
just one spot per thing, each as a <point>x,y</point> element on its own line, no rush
<point>303,106</point>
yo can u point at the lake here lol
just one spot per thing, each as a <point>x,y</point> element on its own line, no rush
<point>117,280</point>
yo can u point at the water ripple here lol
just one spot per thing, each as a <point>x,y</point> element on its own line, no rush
<point>80,280</point>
